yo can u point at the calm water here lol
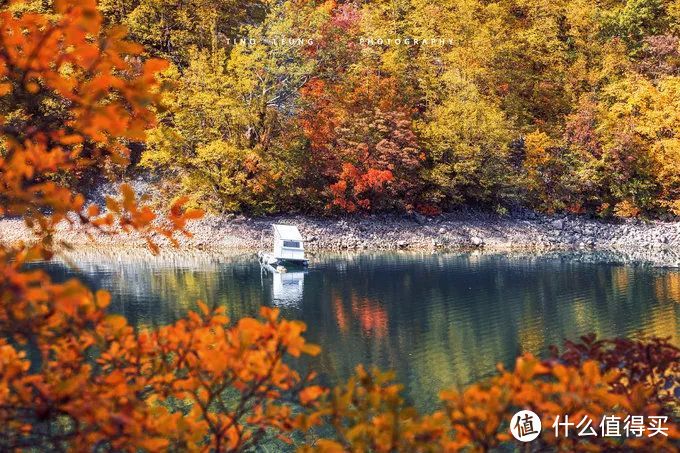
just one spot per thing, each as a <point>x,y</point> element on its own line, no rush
<point>439,320</point>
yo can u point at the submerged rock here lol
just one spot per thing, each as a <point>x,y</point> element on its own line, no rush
<point>477,241</point>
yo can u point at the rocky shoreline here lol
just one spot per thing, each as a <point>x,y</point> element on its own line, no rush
<point>656,243</point>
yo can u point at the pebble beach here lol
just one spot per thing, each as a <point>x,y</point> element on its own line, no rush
<point>654,242</point>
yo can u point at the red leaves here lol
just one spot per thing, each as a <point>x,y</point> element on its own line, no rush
<point>363,142</point>
<point>652,362</point>
<point>366,155</point>
<point>355,189</point>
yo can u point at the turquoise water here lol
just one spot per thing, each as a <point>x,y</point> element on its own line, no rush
<point>439,320</point>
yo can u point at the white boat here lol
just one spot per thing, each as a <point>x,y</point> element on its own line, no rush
<point>288,249</point>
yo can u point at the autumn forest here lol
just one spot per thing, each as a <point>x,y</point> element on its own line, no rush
<point>416,105</point>
<point>317,107</point>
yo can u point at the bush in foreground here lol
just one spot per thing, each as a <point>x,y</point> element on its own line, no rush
<point>73,377</point>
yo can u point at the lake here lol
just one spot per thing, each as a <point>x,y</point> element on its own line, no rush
<point>438,320</point>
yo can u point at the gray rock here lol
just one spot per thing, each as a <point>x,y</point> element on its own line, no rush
<point>421,219</point>
<point>442,231</point>
<point>477,241</point>
<point>557,224</point>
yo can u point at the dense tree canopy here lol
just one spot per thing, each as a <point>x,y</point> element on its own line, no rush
<point>75,92</point>
<point>411,105</point>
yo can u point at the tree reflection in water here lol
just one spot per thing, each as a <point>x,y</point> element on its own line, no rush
<point>437,319</point>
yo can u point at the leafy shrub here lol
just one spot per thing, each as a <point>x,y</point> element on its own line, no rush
<point>73,377</point>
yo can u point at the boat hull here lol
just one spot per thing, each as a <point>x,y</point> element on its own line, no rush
<point>271,260</point>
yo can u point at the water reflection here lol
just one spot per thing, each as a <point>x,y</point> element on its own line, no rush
<point>437,319</point>
<point>287,288</point>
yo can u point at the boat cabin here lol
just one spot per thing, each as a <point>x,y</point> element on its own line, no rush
<point>288,245</point>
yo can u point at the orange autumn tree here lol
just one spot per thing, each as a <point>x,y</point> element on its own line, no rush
<point>370,414</point>
<point>73,377</point>
<point>358,120</point>
<point>74,95</point>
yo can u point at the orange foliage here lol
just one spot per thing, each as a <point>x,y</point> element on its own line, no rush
<point>353,185</point>
<point>94,380</point>
<point>480,415</point>
<point>368,414</point>
<point>73,377</point>
<point>106,96</point>
<point>366,154</point>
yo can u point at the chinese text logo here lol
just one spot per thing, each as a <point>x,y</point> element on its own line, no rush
<point>525,426</point>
